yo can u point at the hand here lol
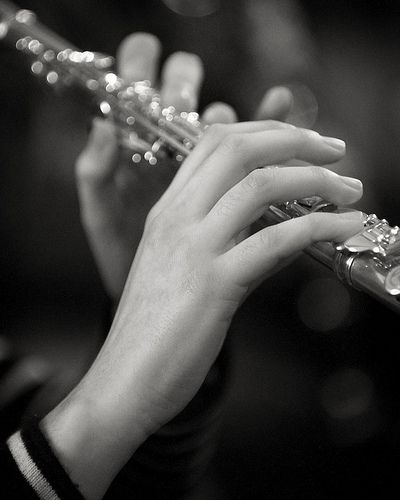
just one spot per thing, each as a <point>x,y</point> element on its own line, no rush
<point>189,275</point>
<point>115,195</point>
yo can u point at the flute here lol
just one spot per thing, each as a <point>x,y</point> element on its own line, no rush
<point>368,261</point>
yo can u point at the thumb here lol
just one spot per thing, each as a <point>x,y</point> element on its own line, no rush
<point>97,163</point>
<point>95,174</point>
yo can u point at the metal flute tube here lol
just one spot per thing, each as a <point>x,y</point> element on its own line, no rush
<point>374,270</point>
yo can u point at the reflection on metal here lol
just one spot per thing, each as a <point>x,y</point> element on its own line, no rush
<point>366,261</point>
<point>193,8</point>
<point>377,237</point>
<point>392,281</point>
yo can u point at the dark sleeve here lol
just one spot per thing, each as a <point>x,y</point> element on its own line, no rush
<point>172,462</point>
<point>30,470</point>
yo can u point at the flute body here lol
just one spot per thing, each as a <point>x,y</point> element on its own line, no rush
<point>368,261</point>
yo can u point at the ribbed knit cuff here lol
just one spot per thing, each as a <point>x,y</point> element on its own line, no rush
<point>39,465</point>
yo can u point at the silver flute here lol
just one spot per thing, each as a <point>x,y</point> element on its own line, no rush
<point>368,261</point>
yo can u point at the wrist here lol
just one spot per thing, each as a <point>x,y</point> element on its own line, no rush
<point>90,440</point>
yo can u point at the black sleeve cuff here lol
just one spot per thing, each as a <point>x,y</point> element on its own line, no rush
<point>39,466</point>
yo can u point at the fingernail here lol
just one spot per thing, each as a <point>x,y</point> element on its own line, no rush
<point>337,144</point>
<point>353,215</point>
<point>352,182</point>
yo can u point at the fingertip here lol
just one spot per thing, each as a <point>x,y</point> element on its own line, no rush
<point>186,65</point>
<point>276,104</point>
<point>317,148</point>
<point>139,43</point>
<point>182,76</point>
<point>354,216</point>
<point>97,161</point>
<point>352,222</point>
<point>337,144</point>
<point>219,112</point>
<point>137,56</point>
<point>282,94</point>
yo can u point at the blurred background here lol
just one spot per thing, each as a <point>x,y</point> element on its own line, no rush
<point>313,406</point>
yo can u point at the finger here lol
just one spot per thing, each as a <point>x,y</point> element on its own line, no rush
<point>127,180</point>
<point>182,76</point>
<point>266,249</point>
<point>137,57</point>
<point>276,104</point>
<point>97,162</point>
<point>238,154</point>
<point>95,172</point>
<point>247,201</point>
<point>219,112</point>
<point>216,133</point>
<point>213,136</point>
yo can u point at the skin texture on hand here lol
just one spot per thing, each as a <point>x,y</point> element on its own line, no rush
<point>115,196</point>
<point>190,273</point>
<point>192,270</point>
<point>195,262</point>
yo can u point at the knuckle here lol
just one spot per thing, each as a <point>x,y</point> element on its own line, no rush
<point>151,216</point>
<point>299,135</point>
<point>295,141</point>
<point>165,223</point>
<point>304,138</point>
<point>232,144</point>
<point>216,131</point>
<point>309,226</point>
<point>278,125</point>
<point>155,224</point>
<point>271,236</point>
<point>227,206</point>
<point>260,178</point>
<point>320,174</point>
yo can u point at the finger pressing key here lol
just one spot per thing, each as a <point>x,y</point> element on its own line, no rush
<point>245,202</point>
<point>266,249</point>
<point>239,153</point>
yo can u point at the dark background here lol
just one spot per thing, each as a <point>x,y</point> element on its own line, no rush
<point>313,407</point>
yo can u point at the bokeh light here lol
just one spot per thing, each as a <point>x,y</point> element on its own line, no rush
<point>348,398</point>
